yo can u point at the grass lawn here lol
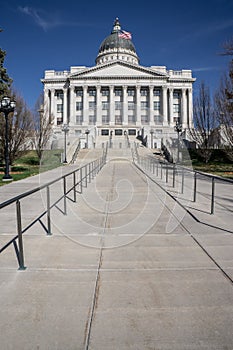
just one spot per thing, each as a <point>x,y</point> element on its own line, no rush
<point>218,165</point>
<point>224,170</point>
<point>29,165</point>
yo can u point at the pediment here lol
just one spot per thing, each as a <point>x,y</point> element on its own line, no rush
<point>118,69</point>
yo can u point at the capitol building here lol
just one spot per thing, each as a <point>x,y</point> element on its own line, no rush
<point>118,96</point>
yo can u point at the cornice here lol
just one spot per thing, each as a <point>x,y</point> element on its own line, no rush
<point>122,63</point>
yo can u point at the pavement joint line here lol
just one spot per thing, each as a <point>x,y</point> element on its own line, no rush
<point>96,288</point>
<point>182,225</point>
<point>31,269</point>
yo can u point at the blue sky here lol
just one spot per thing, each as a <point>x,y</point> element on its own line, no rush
<point>58,34</point>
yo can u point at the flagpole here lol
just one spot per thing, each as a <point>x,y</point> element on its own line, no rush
<point>117,43</point>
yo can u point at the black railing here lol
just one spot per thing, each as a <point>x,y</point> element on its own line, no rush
<point>78,178</point>
<point>177,175</point>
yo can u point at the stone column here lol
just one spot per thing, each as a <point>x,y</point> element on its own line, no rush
<point>85,106</point>
<point>65,106</point>
<point>171,106</point>
<point>72,105</point>
<point>164,102</point>
<point>125,107</point>
<point>138,105</point>
<point>53,107</point>
<point>190,107</point>
<point>184,109</point>
<point>111,105</point>
<point>151,106</point>
<point>47,103</point>
<point>98,107</point>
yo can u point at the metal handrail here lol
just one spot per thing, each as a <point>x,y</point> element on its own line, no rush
<point>145,162</point>
<point>86,173</point>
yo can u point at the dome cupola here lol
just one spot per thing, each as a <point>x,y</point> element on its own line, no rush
<point>117,46</point>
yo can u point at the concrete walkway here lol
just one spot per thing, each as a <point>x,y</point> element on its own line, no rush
<point>127,268</point>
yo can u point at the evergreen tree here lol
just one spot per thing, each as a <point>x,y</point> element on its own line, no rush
<point>5,80</point>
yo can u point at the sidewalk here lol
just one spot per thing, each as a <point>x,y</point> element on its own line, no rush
<point>127,268</point>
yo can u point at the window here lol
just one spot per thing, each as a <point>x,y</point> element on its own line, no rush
<point>118,105</point>
<point>105,105</point>
<point>144,92</point>
<point>92,105</point>
<point>132,132</point>
<point>176,94</point>
<point>131,92</point>
<point>105,119</point>
<point>92,119</point>
<point>59,94</point>
<point>118,132</point>
<point>79,119</point>
<point>144,105</point>
<point>176,108</point>
<point>105,92</point>
<point>131,105</point>
<point>156,105</point>
<point>144,119</point>
<point>92,91</point>
<point>79,92</point>
<point>79,106</point>
<point>157,92</point>
<point>131,119</point>
<point>59,121</point>
<point>104,132</point>
<point>59,108</point>
<point>176,119</point>
<point>118,92</point>
<point>158,119</point>
<point>118,119</point>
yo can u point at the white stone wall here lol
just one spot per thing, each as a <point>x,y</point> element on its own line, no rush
<point>77,98</point>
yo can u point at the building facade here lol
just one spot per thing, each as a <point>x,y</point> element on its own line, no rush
<point>118,95</point>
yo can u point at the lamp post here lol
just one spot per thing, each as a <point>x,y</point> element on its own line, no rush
<point>178,129</point>
<point>151,137</point>
<point>65,128</point>
<point>87,132</point>
<point>7,106</point>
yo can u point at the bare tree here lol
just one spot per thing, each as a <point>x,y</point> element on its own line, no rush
<point>20,129</point>
<point>204,123</point>
<point>42,127</point>
<point>224,104</point>
<point>19,126</point>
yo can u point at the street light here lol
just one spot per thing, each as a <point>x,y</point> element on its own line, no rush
<point>65,128</point>
<point>87,132</point>
<point>7,106</point>
<point>178,129</point>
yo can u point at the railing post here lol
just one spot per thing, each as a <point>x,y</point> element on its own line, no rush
<point>212,196</point>
<point>48,211</point>
<point>86,175</point>
<point>166,173</point>
<point>157,170</point>
<point>20,254</point>
<point>64,194</point>
<point>81,179</point>
<point>174,176</point>
<point>161,175</point>
<point>74,186</point>
<point>182,181</point>
<point>89,170</point>
<point>195,187</point>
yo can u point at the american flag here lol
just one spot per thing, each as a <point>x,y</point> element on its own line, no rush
<point>125,35</point>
